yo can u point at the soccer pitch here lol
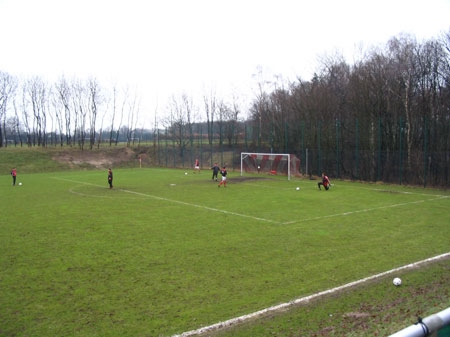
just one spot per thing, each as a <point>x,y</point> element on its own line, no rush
<point>164,253</point>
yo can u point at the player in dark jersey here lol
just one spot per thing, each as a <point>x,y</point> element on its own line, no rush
<point>110,178</point>
<point>224,173</point>
<point>215,170</point>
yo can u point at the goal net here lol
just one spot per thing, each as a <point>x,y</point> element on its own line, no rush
<point>270,163</point>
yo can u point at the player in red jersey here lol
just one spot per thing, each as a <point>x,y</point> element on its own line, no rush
<point>14,176</point>
<point>325,182</point>
<point>197,165</point>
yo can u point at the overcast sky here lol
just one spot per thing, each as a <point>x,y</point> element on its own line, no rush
<point>166,47</point>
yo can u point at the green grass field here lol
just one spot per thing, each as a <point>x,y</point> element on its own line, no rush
<point>164,253</point>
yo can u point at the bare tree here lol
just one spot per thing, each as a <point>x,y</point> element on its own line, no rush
<point>180,122</point>
<point>229,121</point>
<point>133,110</point>
<point>17,127</point>
<point>234,120</point>
<point>444,71</point>
<point>80,103</point>
<point>8,86</point>
<point>100,134</point>
<point>65,93</point>
<point>210,103</point>
<point>113,114</point>
<point>61,103</point>
<point>122,112</point>
<point>405,71</point>
<point>93,106</point>
<point>26,118</point>
<point>52,118</point>
<point>12,130</point>
<point>37,93</point>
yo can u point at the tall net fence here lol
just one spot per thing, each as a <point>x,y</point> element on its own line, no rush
<point>343,149</point>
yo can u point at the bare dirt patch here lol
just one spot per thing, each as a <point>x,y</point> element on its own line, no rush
<point>100,159</point>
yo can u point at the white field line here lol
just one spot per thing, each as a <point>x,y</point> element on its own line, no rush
<point>362,210</point>
<point>263,219</point>
<point>178,202</point>
<point>306,299</point>
<point>357,187</point>
<point>403,192</point>
<point>72,190</point>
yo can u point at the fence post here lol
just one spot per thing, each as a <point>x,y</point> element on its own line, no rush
<point>425,151</point>
<point>302,144</point>
<point>357,149</point>
<point>379,150</point>
<point>337,148</point>
<point>401,151</point>
<point>286,137</point>
<point>319,157</point>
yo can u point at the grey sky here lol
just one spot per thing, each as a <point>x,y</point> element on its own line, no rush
<point>167,46</point>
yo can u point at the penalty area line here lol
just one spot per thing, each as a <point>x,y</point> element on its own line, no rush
<point>361,211</point>
<point>201,206</point>
<point>305,299</point>
<point>178,202</point>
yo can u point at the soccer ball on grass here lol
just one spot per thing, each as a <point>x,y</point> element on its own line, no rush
<point>298,188</point>
<point>397,281</point>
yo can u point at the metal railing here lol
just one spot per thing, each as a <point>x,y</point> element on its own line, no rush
<point>429,326</point>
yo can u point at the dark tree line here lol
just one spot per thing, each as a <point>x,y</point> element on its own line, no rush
<point>387,117</point>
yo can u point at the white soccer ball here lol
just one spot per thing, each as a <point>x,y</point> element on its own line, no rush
<point>20,184</point>
<point>298,188</point>
<point>185,173</point>
<point>397,281</point>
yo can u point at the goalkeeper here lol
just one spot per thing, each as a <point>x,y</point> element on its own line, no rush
<point>325,182</point>
<point>216,170</point>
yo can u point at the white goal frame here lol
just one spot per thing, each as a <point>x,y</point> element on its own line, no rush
<point>270,155</point>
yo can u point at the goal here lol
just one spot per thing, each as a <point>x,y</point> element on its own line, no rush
<point>270,163</point>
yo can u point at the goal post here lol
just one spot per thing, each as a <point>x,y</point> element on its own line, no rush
<point>270,163</point>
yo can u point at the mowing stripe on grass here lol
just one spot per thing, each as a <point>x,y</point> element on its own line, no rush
<point>176,202</point>
<point>305,299</point>
<point>362,211</point>
<point>399,192</point>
